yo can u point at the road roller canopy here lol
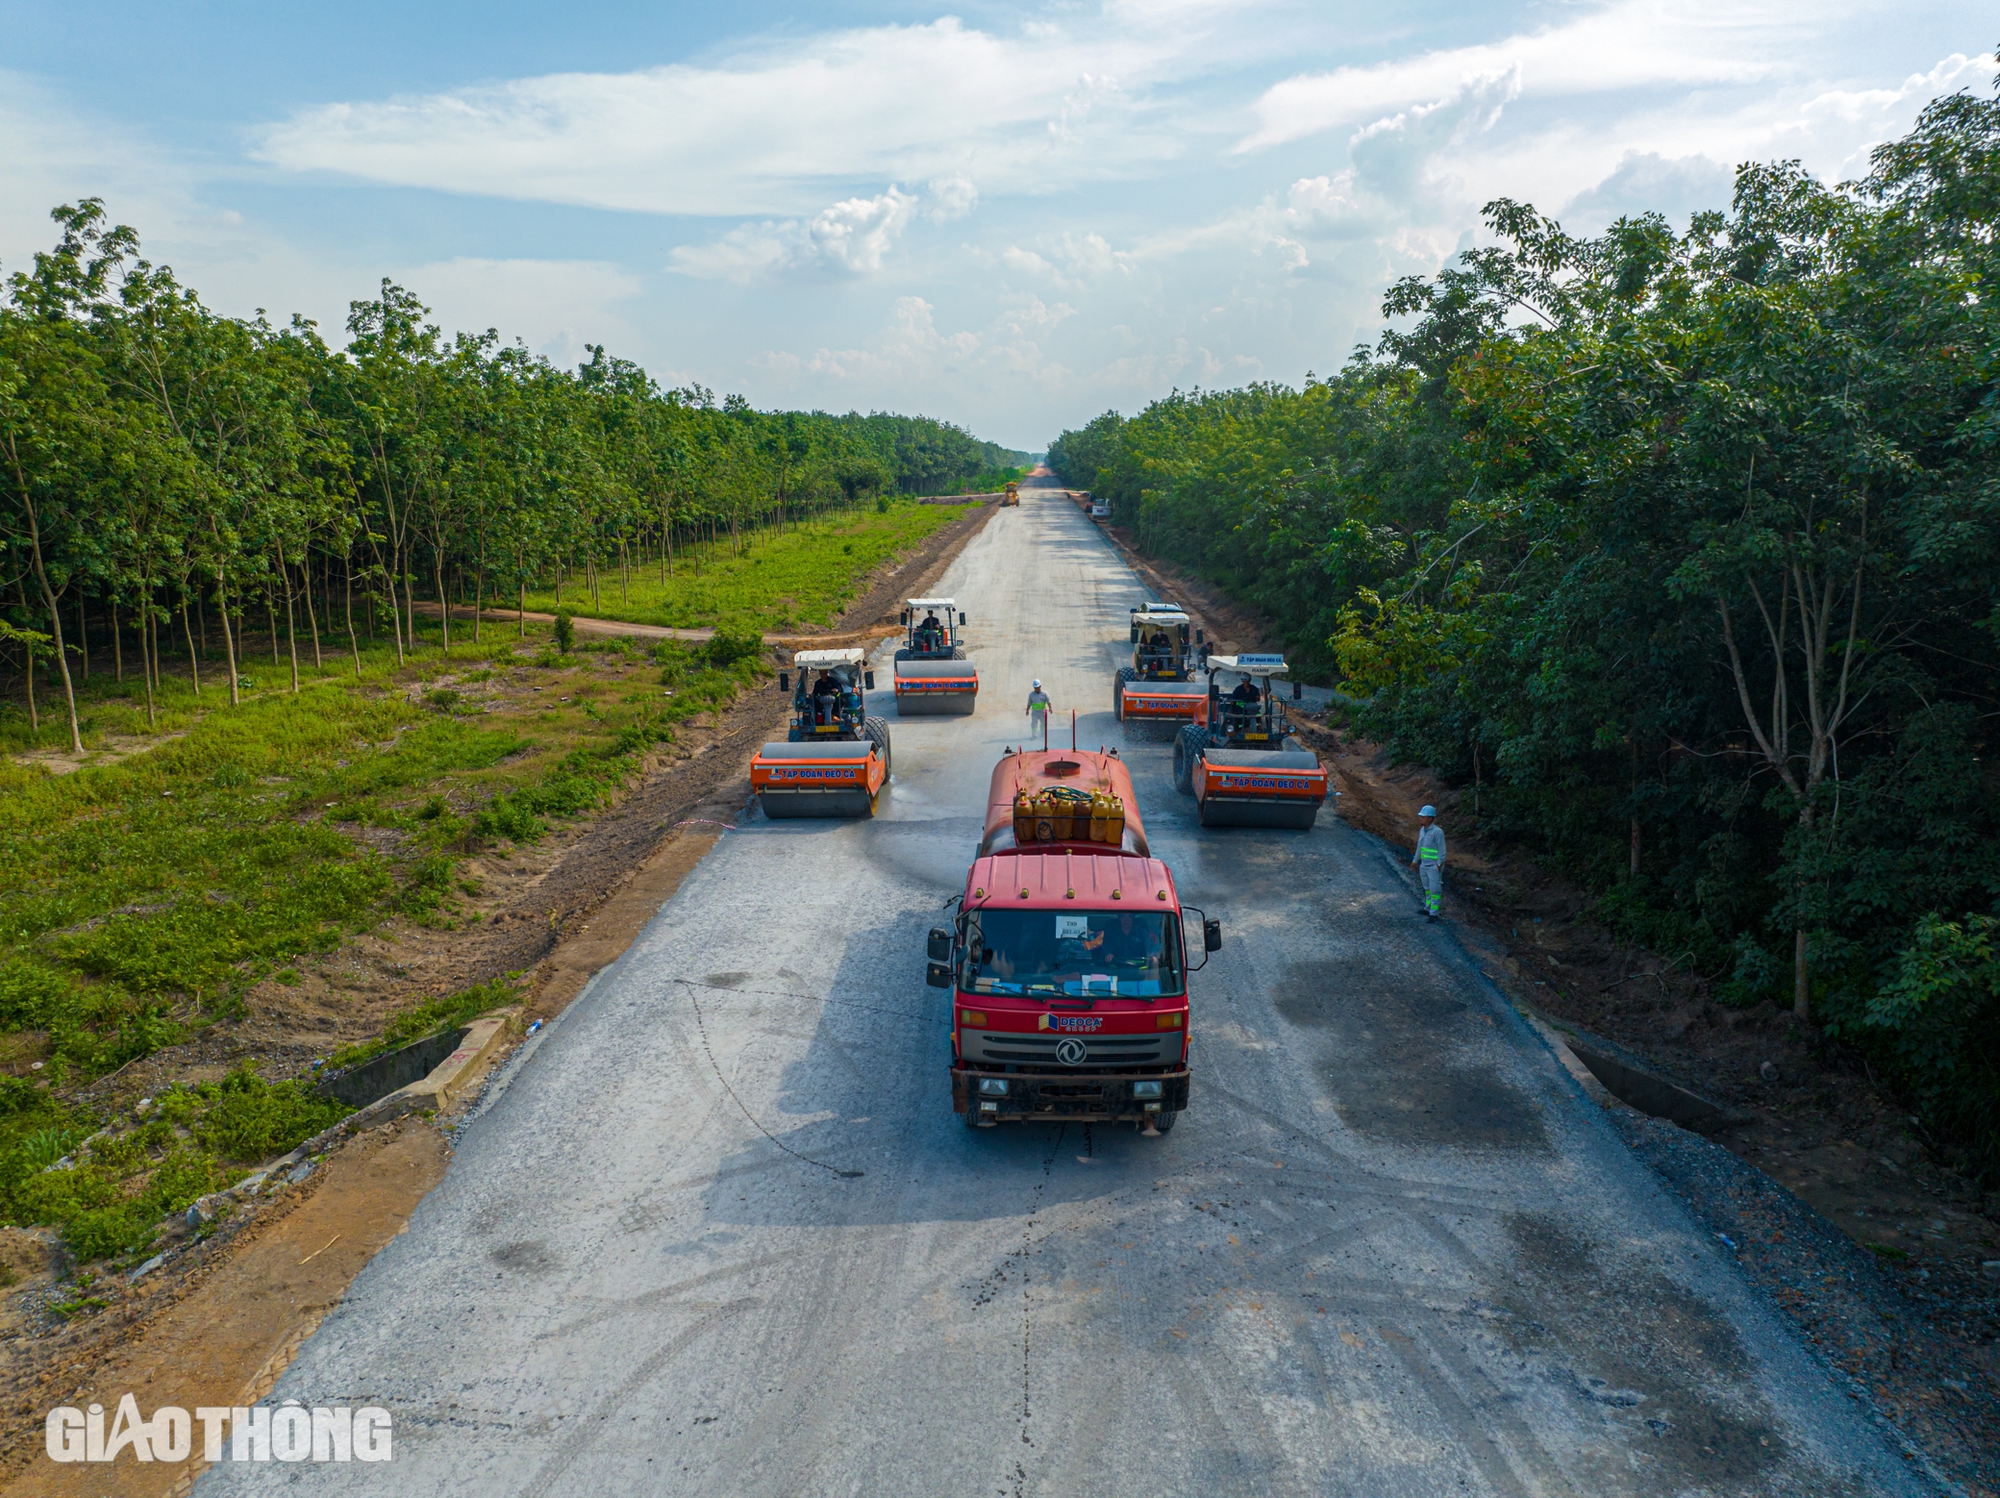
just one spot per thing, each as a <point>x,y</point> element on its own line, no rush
<point>826,660</point>
<point>1249,665</point>
<point>932,603</point>
<point>1159,613</point>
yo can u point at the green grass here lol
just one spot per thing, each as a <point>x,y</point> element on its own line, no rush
<point>110,1194</point>
<point>140,897</point>
<point>427,1018</point>
<point>783,580</point>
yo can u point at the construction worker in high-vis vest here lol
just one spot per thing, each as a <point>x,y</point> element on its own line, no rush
<point>1429,859</point>
<point>1038,712</point>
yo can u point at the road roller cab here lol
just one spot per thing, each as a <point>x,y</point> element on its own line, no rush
<point>933,630</point>
<point>835,757</point>
<point>1159,685</point>
<point>1238,757</point>
<point>1068,959</point>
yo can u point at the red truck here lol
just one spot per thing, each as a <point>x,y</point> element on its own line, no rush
<point>1067,962</point>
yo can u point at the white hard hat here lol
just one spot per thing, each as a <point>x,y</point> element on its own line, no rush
<point>1427,811</point>
<point>1038,683</point>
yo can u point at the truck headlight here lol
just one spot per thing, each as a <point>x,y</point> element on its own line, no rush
<point>992,1086</point>
<point>1145,1089</point>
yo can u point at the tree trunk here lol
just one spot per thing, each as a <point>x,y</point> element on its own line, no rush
<point>312,618</point>
<point>146,648</point>
<point>117,646</point>
<point>353,642</point>
<point>194,665</point>
<point>291,622</point>
<point>228,641</point>
<point>444,606</point>
<point>82,636</point>
<point>55,620</point>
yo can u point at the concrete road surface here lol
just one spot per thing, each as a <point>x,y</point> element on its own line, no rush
<point>722,1234</point>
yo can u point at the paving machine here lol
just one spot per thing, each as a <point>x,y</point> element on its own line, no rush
<point>1067,962</point>
<point>1238,758</point>
<point>932,674</point>
<point>1160,683</point>
<point>835,757</point>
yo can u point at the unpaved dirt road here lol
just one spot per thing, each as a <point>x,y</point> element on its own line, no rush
<point>722,1234</point>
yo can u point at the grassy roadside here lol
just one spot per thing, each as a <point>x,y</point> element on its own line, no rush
<point>781,581</point>
<point>143,894</point>
<point>217,850</point>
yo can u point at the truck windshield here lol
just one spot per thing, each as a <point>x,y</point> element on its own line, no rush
<point>1124,954</point>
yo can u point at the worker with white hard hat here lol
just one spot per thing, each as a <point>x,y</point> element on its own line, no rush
<point>1038,712</point>
<point>1429,859</point>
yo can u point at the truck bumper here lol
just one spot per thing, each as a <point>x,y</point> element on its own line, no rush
<point>1068,1096</point>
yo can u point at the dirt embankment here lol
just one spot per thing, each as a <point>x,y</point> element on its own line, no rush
<point>1875,1246</point>
<point>222,1320</point>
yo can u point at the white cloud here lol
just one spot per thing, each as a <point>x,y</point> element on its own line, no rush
<point>852,237</point>
<point>1626,45</point>
<point>763,131</point>
<point>1647,182</point>
<point>556,307</point>
<point>951,197</point>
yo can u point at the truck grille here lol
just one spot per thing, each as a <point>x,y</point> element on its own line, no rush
<point>1102,1052</point>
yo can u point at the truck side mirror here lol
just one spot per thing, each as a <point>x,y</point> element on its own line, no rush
<point>938,975</point>
<point>1211,936</point>
<point>1298,691</point>
<point>938,948</point>
<point>784,681</point>
<point>868,681</point>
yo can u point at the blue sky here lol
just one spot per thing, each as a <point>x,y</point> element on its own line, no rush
<point>1010,216</point>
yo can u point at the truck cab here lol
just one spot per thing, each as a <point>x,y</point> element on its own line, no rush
<point>1068,962</point>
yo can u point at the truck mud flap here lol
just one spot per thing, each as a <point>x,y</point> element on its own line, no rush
<point>1070,1097</point>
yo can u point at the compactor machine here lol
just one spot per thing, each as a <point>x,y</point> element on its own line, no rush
<point>1160,684</point>
<point>1012,496</point>
<point>932,673</point>
<point>835,757</point>
<point>1238,758</point>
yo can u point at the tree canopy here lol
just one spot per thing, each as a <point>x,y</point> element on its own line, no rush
<point>159,461</point>
<point>1686,548</point>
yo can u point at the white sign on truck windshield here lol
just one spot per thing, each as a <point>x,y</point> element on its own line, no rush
<point>1072,925</point>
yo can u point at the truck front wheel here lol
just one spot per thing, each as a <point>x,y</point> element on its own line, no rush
<point>1165,1121</point>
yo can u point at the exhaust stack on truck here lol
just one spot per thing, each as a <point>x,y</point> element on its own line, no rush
<point>1068,962</point>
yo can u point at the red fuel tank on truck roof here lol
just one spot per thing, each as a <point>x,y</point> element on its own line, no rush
<point>1077,776</point>
<point>1066,879</point>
